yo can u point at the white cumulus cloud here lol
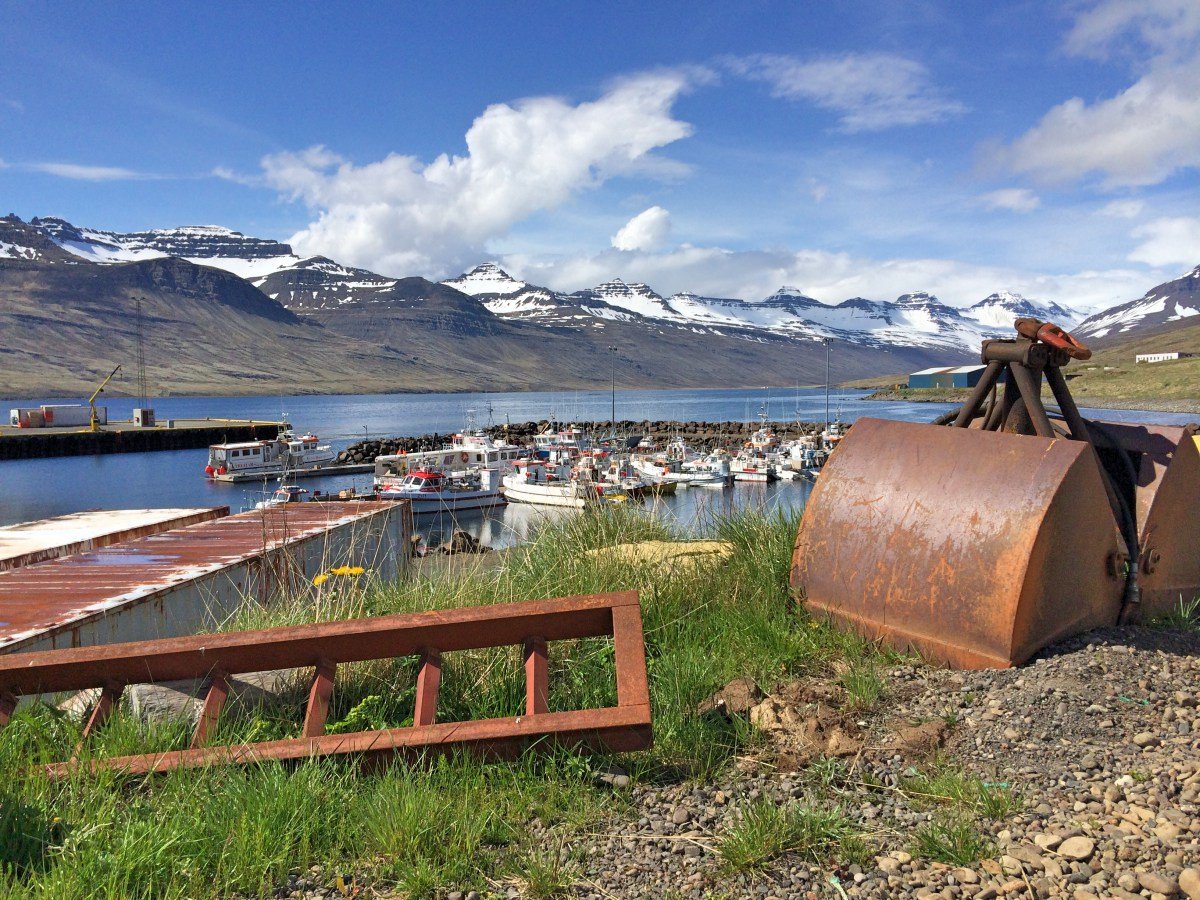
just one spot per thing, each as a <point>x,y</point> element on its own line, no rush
<point>1020,200</point>
<point>1141,135</point>
<point>1168,241</point>
<point>401,215</point>
<point>646,231</point>
<point>868,91</point>
<point>1122,209</point>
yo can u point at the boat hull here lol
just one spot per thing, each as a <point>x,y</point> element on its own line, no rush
<point>460,501</point>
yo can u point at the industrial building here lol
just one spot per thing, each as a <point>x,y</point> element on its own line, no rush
<point>1161,357</point>
<point>946,377</point>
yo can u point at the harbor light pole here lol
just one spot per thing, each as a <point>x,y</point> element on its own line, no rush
<point>613,351</point>
<point>827,352</point>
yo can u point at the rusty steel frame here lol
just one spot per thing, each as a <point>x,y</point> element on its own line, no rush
<point>322,647</point>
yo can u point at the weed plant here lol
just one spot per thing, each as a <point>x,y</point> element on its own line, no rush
<point>425,826</point>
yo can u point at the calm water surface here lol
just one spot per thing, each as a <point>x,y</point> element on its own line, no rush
<point>35,489</point>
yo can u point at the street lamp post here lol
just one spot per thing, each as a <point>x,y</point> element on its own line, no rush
<point>613,351</point>
<point>827,352</point>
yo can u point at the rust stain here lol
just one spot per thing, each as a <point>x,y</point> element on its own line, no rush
<point>62,592</point>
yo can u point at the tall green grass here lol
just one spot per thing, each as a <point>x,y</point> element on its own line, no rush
<point>430,825</point>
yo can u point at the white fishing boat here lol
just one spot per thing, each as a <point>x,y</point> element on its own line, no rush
<point>285,493</point>
<point>556,484</point>
<point>663,469</point>
<point>298,457</point>
<point>467,451</point>
<point>429,491</point>
<point>745,467</point>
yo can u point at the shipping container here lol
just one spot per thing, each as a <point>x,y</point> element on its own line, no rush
<point>25,417</point>
<point>72,416</point>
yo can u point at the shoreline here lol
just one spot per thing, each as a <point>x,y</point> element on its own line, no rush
<point>946,395</point>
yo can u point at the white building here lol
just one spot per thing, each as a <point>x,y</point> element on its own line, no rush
<point>1160,357</point>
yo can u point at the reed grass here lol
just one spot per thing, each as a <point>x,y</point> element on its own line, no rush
<point>431,825</point>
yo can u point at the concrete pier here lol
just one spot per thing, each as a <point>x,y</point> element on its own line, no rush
<point>125,437</point>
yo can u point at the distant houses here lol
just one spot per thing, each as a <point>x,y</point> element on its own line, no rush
<point>946,377</point>
<point>1161,357</point>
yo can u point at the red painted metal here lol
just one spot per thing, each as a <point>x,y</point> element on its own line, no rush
<point>218,691</point>
<point>319,696</point>
<point>532,625</point>
<point>62,594</point>
<point>977,548</point>
<point>429,681</point>
<point>537,677</point>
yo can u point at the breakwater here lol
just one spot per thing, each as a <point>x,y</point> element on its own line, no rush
<point>702,435</point>
<point>188,434</point>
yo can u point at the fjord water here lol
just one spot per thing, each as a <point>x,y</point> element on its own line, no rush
<point>34,489</point>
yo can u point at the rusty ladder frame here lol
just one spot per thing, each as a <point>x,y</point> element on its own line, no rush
<point>322,647</point>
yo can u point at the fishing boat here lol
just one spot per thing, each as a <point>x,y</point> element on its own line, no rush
<point>663,469</point>
<point>299,457</point>
<point>468,450</point>
<point>284,494</point>
<point>556,484</point>
<point>429,491</point>
<point>747,467</point>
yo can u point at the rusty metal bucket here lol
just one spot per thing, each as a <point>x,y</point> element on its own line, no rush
<point>1166,496</point>
<point>976,548</point>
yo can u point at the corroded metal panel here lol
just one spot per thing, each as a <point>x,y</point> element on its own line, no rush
<point>977,548</point>
<point>174,582</point>
<point>1167,508</point>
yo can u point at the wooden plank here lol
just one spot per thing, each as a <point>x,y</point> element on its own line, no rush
<point>110,695</point>
<point>429,680</point>
<point>289,647</point>
<point>319,695</point>
<point>615,728</point>
<point>537,677</point>
<point>8,705</point>
<point>629,656</point>
<point>213,701</point>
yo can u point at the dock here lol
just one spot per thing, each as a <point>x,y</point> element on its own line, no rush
<point>191,579</point>
<point>33,542</point>
<point>125,437</point>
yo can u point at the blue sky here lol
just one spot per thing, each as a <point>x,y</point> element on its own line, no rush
<point>844,148</point>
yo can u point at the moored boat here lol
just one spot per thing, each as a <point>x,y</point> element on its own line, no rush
<point>430,491</point>
<point>297,457</point>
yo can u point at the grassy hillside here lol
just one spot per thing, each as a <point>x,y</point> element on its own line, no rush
<point>1113,376</point>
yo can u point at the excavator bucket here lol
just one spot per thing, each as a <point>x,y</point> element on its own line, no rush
<point>977,548</point>
<point>1165,468</point>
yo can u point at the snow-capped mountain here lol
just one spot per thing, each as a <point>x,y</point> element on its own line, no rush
<point>308,285</point>
<point>209,245</point>
<point>998,311</point>
<point>915,319</point>
<point>1172,302</point>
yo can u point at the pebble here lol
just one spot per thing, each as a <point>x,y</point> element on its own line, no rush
<point>1079,848</point>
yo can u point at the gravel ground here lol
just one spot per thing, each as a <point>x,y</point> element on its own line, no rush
<point>1098,739</point>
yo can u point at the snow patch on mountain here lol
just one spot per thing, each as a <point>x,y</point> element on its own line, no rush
<point>1000,309</point>
<point>204,245</point>
<point>1170,302</point>
<point>488,278</point>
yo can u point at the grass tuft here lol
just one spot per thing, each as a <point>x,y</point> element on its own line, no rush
<point>953,840</point>
<point>768,830</point>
